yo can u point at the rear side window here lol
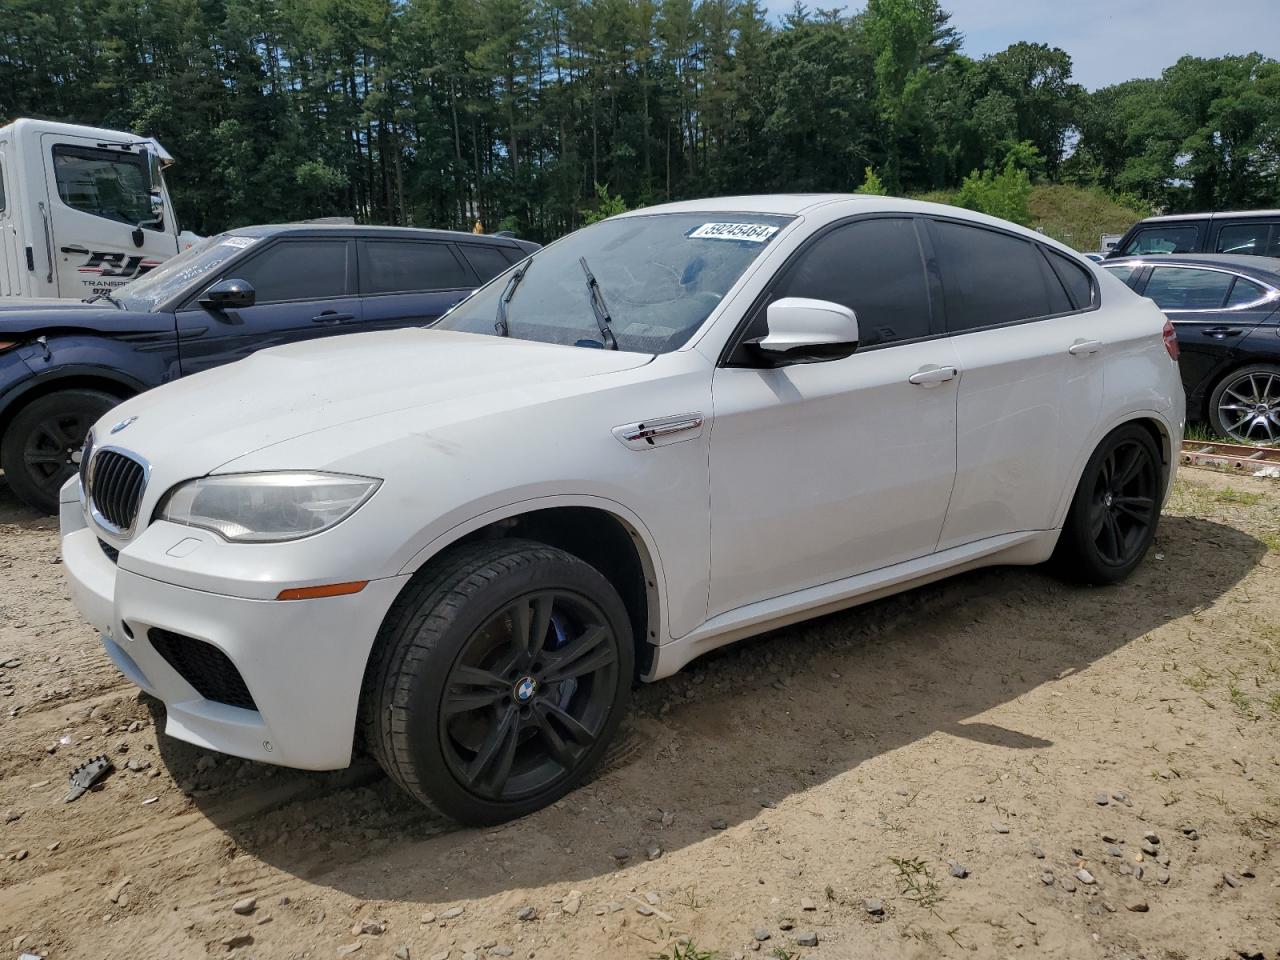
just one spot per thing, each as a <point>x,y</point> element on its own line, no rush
<point>1184,288</point>
<point>1077,280</point>
<point>297,270</point>
<point>1170,238</point>
<point>989,278</point>
<point>1124,273</point>
<point>406,266</point>
<point>487,261</point>
<point>1258,238</point>
<point>1244,291</point>
<point>874,267</point>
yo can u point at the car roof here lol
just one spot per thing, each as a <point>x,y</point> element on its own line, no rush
<point>382,233</point>
<point>1222,215</point>
<point>1266,268</point>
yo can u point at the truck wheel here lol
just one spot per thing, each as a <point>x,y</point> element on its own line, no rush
<point>498,680</point>
<point>1113,516</point>
<point>43,440</point>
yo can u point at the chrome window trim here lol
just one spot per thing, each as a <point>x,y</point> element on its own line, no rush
<point>101,522</point>
<point>1272,294</point>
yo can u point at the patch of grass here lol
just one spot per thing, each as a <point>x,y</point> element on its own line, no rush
<point>1239,700</point>
<point>782,953</point>
<point>1274,704</point>
<point>1201,680</point>
<point>691,899</point>
<point>1232,495</point>
<point>917,882</point>
<point>686,951</point>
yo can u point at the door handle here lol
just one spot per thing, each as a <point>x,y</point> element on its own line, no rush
<point>930,375</point>
<point>332,316</point>
<point>1219,333</point>
<point>1082,348</point>
<point>48,240</point>
<point>74,248</point>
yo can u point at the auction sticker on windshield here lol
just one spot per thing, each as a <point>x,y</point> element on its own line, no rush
<point>748,232</point>
<point>240,243</point>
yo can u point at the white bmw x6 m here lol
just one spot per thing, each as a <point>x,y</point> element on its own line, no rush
<point>459,546</point>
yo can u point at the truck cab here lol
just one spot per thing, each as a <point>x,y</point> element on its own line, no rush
<point>83,210</point>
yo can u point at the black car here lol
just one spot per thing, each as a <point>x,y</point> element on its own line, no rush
<point>1226,311</point>
<point>1254,233</point>
<point>65,363</point>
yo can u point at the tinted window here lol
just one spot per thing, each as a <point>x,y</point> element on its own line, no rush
<point>105,183</point>
<point>990,278</point>
<point>1248,238</point>
<point>1076,279</point>
<point>1165,239</point>
<point>1180,288</point>
<point>297,270</point>
<point>874,267</point>
<point>1244,291</point>
<point>1124,273</point>
<point>401,266</point>
<point>487,262</point>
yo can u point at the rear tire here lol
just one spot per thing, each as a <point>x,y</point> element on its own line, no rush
<point>1113,515</point>
<point>1245,405</point>
<point>42,439</point>
<point>498,680</point>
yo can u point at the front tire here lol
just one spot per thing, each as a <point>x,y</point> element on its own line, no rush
<point>498,680</point>
<point>1113,516</point>
<point>41,441</point>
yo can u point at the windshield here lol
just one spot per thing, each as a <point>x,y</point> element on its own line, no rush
<point>201,260</point>
<point>660,275</point>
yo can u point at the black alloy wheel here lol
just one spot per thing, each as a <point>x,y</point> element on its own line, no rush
<point>529,695</point>
<point>41,447</point>
<point>1123,503</point>
<point>498,679</point>
<point>1112,519</point>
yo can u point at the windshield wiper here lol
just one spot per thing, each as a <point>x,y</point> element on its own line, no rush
<point>598,307</point>
<point>500,323</point>
<point>107,297</point>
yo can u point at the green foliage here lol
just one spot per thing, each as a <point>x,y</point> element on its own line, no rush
<point>871,183</point>
<point>606,205</point>
<point>1004,194</point>
<point>444,112</point>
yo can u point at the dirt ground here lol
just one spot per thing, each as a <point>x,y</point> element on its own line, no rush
<point>1001,724</point>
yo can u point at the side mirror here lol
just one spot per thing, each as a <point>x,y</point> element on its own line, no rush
<point>229,295</point>
<point>805,331</point>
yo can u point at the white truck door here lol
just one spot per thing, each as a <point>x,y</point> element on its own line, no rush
<point>107,226</point>
<point>11,253</point>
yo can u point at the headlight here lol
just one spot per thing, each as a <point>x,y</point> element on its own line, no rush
<point>267,507</point>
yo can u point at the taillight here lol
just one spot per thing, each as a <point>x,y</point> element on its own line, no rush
<point>1171,341</point>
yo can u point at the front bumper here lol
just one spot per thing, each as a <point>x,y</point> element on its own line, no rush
<point>302,661</point>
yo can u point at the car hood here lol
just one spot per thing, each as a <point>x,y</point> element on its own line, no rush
<point>34,315</point>
<point>193,426</point>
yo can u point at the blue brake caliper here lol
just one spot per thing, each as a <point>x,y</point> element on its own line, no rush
<point>558,639</point>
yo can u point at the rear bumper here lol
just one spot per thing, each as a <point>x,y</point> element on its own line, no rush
<point>302,661</point>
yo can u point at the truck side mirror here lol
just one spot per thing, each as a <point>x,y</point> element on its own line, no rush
<point>229,295</point>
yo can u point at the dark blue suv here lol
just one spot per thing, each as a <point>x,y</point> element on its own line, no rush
<point>63,363</point>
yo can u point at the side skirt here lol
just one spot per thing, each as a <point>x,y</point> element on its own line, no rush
<point>1025,548</point>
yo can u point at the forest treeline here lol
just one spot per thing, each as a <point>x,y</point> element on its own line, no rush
<point>439,112</point>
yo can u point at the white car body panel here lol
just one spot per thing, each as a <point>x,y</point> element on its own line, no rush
<point>787,493</point>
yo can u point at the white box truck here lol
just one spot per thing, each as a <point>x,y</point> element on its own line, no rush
<point>82,210</point>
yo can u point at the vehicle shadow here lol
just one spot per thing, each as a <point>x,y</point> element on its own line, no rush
<point>751,726</point>
<point>13,510</point>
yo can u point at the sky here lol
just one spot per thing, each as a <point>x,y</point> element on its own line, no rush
<point>1109,40</point>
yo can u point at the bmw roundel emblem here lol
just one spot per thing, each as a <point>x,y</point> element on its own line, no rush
<point>525,689</point>
<point>122,424</point>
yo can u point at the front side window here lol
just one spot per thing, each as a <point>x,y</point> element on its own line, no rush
<point>1164,239</point>
<point>660,276</point>
<point>990,278</point>
<point>297,270</point>
<point>873,267</point>
<point>105,183</point>
<point>1185,288</point>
